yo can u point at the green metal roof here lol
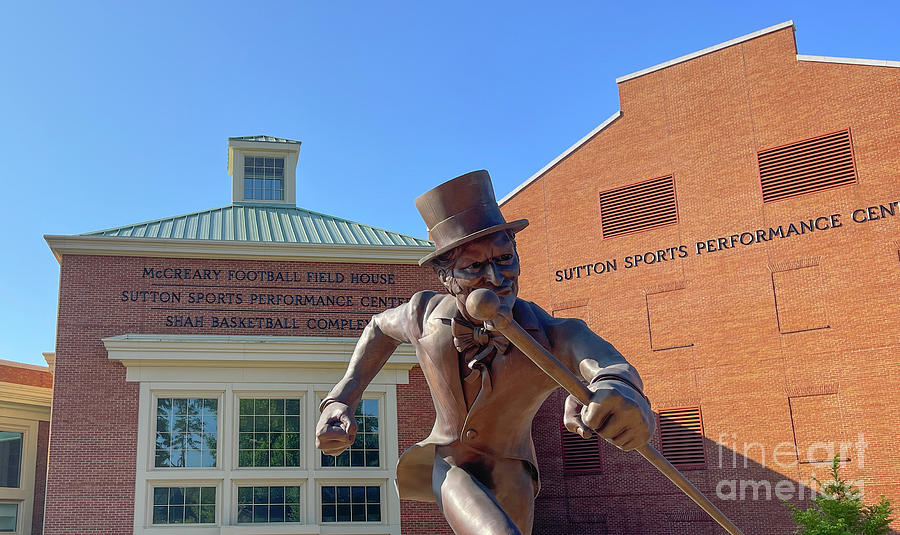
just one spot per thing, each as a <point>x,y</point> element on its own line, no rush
<point>262,223</point>
<point>268,139</point>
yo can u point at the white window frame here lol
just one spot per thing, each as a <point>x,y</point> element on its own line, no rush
<point>382,451</point>
<point>289,180</point>
<point>217,394</point>
<point>23,495</point>
<point>343,526</point>
<point>273,394</point>
<point>268,482</point>
<point>234,367</point>
<point>284,157</point>
<point>154,483</point>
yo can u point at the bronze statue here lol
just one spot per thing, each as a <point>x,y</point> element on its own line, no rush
<point>478,463</point>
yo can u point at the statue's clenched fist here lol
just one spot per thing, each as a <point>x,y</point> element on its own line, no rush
<point>336,429</point>
<point>617,412</point>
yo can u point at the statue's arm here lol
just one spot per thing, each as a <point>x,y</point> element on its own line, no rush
<point>619,411</point>
<point>336,428</point>
<point>593,358</point>
<point>377,343</point>
<point>586,354</point>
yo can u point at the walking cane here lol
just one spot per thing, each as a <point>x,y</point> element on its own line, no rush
<point>484,305</point>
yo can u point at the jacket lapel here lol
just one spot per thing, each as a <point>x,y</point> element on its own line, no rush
<point>440,362</point>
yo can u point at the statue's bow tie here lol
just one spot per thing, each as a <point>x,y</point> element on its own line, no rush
<point>476,343</point>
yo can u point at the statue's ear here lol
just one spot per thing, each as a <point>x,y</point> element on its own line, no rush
<point>445,276</point>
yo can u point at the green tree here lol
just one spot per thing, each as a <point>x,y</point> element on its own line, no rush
<point>838,510</point>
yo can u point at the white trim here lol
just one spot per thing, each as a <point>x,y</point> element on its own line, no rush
<point>270,529</point>
<point>179,248</point>
<point>23,495</point>
<point>232,367</point>
<point>50,358</point>
<point>388,502</point>
<point>849,61</point>
<point>288,177</point>
<point>205,392</point>
<point>380,396</point>
<point>35,399</point>
<point>230,522</point>
<point>227,476</point>
<point>14,364</point>
<point>299,472</point>
<point>238,351</point>
<point>732,42</point>
<point>559,158</point>
<point>705,51</point>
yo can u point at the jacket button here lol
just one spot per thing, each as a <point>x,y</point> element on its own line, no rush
<point>471,434</point>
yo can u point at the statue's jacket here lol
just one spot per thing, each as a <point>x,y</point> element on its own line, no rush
<point>498,421</point>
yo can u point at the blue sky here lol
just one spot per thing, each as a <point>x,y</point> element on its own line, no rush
<point>118,112</point>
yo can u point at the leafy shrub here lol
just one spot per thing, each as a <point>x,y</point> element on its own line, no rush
<point>838,510</point>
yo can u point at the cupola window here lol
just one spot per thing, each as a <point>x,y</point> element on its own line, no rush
<point>263,178</point>
<point>263,169</point>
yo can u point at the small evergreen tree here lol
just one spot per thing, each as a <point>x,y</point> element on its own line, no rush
<point>838,510</point>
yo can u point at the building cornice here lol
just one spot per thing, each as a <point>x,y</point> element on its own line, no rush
<point>697,54</point>
<point>238,351</point>
<point>50,357</point>
<point>560,158</point>
<point>687,57</point>
<point>849,61</point>
<point>175,248</point>
<point>35,396</point>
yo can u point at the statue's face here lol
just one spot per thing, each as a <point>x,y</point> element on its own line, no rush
<point>490,262</point>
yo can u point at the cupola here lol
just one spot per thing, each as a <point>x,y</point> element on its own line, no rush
<point>263,169</point>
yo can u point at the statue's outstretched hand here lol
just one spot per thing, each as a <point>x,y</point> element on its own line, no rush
<point>617,412</point>
<point>336,429</point>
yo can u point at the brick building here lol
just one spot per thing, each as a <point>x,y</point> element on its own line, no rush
<point>192,353</point>
<point>25,395</point>
<point>733,230</point>
<point>758,302</point>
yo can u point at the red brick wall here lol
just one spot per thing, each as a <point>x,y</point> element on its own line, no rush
<point>415,419</point>
<point>25,376</point>
<point>90,486</point>
<point>43,379</point>
<point>703,121</point>
<point>40,478</point>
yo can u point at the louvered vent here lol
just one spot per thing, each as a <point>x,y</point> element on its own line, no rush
<point>580,455</point>
<point>638,207</point>
<point>809,166</point>
<point>681,436</point>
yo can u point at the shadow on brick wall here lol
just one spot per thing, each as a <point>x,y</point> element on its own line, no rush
<point>627,496</point>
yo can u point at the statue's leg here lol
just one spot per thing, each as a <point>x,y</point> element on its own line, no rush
<point>514,487</point>
<point>472,509</point>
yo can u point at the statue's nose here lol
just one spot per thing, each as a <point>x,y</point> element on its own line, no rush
<point>493,274</point>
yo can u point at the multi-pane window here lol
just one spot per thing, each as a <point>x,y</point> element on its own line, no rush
<point>260,430</point>
<point>351,504</point>
<point>184,505</point>
<point>269,432</point>
<point>10,458</point>
<point>263,178</point>
<point>9,516</point>
<point>364,450</point>
<point>186,432</point>
<point>268,504</point>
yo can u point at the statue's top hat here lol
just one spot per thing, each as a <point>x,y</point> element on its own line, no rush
<point>461,210</point>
